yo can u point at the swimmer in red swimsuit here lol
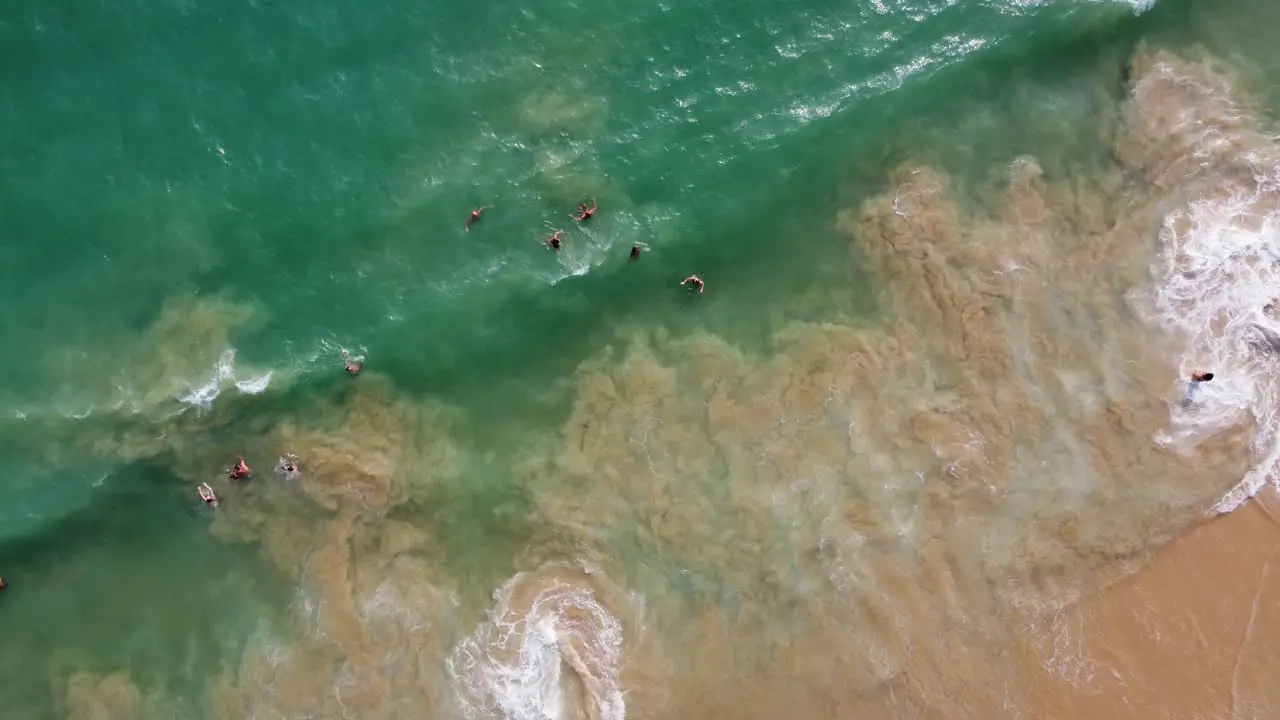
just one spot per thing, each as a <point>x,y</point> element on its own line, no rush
<point>696,281</point>
<point>240,471</point>
<point>585,213</point>
<point>475,215</point>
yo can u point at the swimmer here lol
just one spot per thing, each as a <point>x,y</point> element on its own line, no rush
<point>3,584</point>
<point>288,465</point>
<point>206,494</point>
<point>553,242</point>
<point>1193,387</point>
<point>585,213</point>
<point>475,215</point>
<point>240,471</point>
<point>353,364</point>
<point>635,252</point>
<point>696,281</point>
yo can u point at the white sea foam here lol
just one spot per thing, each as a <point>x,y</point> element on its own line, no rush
<point>224,374</point>
<point>1217,284</point>
<point>254,385</point>
<point>1139,6</point>
<point>511,666</point>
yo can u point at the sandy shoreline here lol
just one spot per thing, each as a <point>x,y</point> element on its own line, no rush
<point>1189,635</point>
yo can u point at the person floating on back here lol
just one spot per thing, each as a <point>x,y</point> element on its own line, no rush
<point>475,215</point>
<point>553,242</point>
<point>584,212</point>
<point>353,364</point>
<point>206,494</point>
<point>241,471</point>
<point>695,281</point>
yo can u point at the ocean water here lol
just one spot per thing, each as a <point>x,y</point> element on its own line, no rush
<point>960,260</point>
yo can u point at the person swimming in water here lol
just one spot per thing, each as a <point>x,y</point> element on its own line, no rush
<point>696,282</point>
<point>353,364</point>
<point>635,252</point>
<point>206,494</point>
<point>288,466</point>
<point>475,215</point>
<point>241,471</point>
<point>1193,388</point>
<point>585,213</point>
<point>553,242</point>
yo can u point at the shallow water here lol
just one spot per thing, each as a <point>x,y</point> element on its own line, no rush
<point>960,261</point>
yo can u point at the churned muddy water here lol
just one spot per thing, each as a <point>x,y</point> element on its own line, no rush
<point>925,447</point>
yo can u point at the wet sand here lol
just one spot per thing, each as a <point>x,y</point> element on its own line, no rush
<point>1190,635</point>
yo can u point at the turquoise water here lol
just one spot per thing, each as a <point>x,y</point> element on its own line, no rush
<point>198,196</point>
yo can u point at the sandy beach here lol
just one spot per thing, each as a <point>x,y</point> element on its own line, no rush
<point>1186,636</point>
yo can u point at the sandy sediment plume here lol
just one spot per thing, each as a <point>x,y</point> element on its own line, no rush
<point>184,346</point>
<point>112,697</point>
<point>137,407</point>
<point>872,497</point>
<point>372,616</point>
<point>1195,139</point>
<point>1187,635</point>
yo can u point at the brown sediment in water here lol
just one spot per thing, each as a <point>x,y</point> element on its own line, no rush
<point>901,518</point>
<point>112,697</point>
<point>881,497</point>
<point>369,631</point>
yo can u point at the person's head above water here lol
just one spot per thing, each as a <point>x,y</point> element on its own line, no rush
<point>1201,376</point>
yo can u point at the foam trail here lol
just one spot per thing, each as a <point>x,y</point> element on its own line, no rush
<point>1217,285</point>
<point>254,385</point>
<point>224,373</point>
<point>204,395</point>
<point>511,667</point>
<point>1138,6</point>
